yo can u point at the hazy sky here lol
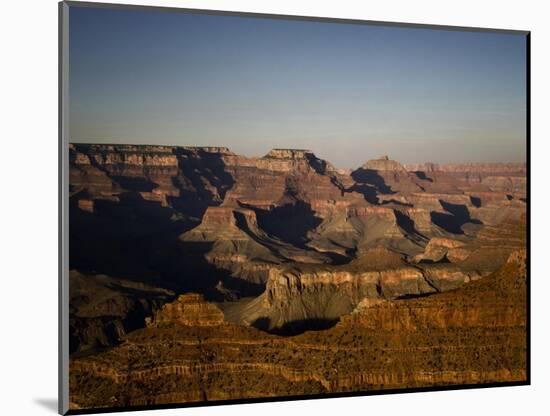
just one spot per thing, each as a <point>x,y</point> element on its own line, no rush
<point>348,92</point>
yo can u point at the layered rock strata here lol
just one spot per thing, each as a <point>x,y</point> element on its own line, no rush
<point>472,335</point>
<point>285,243</point>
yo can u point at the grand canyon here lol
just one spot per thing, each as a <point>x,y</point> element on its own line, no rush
<point>200,275</point>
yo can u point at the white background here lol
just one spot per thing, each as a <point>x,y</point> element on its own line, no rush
<point>28,205</point>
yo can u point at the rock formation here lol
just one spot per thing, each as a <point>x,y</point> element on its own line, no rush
<point>188,310</point>
<point>475,334</point>
<point>104,309</point>
<point>194,265</point>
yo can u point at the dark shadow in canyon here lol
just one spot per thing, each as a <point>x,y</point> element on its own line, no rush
<point>457,215</point>
<point>96,333</point>
<point>134,239</point>
<point>320,166</point>
<point>209,166</point>
<point>337,259</point>
<point>415,296</point>
<point>195,196</point>
<point>396,202</point>
<point>138,240</point>
<point>368,191</point>
<point>422,176</point>
<point>296,327</point>
<point>134,184</point>
<point>476,201</point>
<point>125,239</point>
<point>371,177</point>
<point>290,223</point>
<point>407,224</point>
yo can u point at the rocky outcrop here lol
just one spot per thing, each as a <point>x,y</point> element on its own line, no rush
<point>498,177</point>
<point>485,168</point>
<point>295,154</point>
<point>384,164</point>
<point>361,228</point>
<point>104,309</point>
<point>510,184</point>
<point>322,293</point>
<point>111,168</point>
<point>489,302</point>
<point>220,223</point>
<point>189,310</point>
<point>385,176</point>
<point>438,248</point>
<point>237,238</point>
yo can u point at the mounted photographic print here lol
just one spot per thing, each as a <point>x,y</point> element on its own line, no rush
<point>260,207</point>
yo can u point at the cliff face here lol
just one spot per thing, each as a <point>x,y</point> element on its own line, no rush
<point>386,176</point>
<point>494,301</point>
<point>384,164</point>
<point>188,310</point>
<point>519,169</point>
<point>497,177</point>
<point>108,169</point>
<point>103,309</point>
<point>311,293</point>
<point>474,334</point>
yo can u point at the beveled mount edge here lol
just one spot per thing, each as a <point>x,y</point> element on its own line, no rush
<point>63,105</point>
<point>63,209</point>
<point>340,20</point>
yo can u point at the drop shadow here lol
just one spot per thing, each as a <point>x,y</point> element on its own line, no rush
<point>48,404</point>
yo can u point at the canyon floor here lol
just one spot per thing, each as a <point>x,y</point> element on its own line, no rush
<point>197,274</point>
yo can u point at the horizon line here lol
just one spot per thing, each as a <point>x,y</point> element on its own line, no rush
<point>381,157</point>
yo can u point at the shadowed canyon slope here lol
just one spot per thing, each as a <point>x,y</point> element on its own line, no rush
<point>200,265</point>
